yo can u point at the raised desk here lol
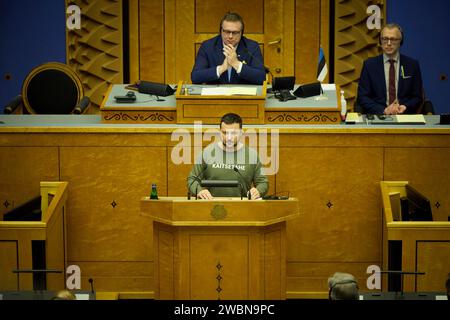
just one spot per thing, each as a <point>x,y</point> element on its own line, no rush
<point>187,106</point>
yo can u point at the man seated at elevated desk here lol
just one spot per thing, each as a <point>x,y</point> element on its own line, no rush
<point>229,58</point>
<point>229,159</point>
<point>390,83</point>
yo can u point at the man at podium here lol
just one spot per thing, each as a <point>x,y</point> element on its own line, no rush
<point>228,159</point>
<point>229,57</point>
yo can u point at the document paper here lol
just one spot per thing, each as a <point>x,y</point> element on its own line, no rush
<point>229,91</point>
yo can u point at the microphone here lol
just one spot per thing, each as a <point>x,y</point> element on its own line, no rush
<point>195,178</point>
<point>82,105</point>
<point>13,104</point>
<point>91,281</point>
<point>249,196</point>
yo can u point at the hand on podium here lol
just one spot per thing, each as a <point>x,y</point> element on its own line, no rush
<point>205,194</point>
<point>254,193</point>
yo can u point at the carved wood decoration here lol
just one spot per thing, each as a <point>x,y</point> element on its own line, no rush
<point>95,51</point>
<point>354,43</point>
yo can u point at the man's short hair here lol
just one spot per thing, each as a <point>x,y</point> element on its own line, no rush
<point>231,118</point>
<point>232,17</point>
<point>343,286</point>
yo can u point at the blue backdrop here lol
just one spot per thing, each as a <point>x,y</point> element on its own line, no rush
<point>32,33</point>
<point>425,25</point>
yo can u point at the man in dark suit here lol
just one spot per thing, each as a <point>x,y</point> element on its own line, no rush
<point>390,83</point>
<point>229,57</point>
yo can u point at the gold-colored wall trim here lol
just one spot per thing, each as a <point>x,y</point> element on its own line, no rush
<point>354,43</point>
<point>95,51</point>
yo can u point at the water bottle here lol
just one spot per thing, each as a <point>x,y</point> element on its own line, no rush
<point>343,106</point>
<point>154,193</point>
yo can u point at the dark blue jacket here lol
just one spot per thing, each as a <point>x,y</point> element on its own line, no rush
<point>372,85</point>
<point>210,55</point>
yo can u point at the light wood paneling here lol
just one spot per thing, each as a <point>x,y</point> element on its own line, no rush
<point>8,262</point>
<point>128,276</point>
<point>23,169</point>
<point>56,250</point>
<point>433,258</point>
<point>152,36</point>
<point>187,23</point>
<point>312,175</point>
<point>307,40</point>
<point>106,186</point>
<point>341,165</point>
<point>209,13</point>
<point>231,251</point>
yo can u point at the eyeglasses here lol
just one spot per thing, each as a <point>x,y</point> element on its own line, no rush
<point>232,33</point>
<point>386,40</point>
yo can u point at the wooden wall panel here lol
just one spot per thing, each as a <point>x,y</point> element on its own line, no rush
<point>129,276</point>
<point>307,40</point>
<point>151,40</point>
<point>232,252</point>
<point>105,185</point>
<point>433,258</point>
<point>9,261</point>
<point>188,23</point>
<point>329,231</point>
<point>339,167</point>
<point>23,169</point>
<point>330,211</point>
<point>209,13</point>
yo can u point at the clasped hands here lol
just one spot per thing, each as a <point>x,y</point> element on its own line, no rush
<point>231,59</point>
<point>205,194</point>
<point>394,108</point>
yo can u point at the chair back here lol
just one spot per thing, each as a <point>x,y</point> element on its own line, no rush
<point>52,88</point>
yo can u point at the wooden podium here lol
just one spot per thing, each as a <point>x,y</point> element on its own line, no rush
<point>29,245</point>
<point>424,245</point>
<point>225,248</point>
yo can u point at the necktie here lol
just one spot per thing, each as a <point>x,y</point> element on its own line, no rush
<point>229,74</point>
<point>391,81</point>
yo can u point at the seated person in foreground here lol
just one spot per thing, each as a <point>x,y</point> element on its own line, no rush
<point>229,57</point>
<point>390,83</point>
<point>228,159</point>
<point>343,286</point>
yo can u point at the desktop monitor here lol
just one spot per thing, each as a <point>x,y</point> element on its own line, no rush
<point>415,206</point>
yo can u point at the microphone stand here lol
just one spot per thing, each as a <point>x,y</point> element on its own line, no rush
<point>40,281</point>
<point>249,196</point>
<point>195,178</point>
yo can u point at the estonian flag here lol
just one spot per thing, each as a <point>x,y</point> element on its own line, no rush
<point>322,69</point>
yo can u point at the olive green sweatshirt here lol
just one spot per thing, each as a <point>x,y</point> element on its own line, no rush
<point>218,164</point>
